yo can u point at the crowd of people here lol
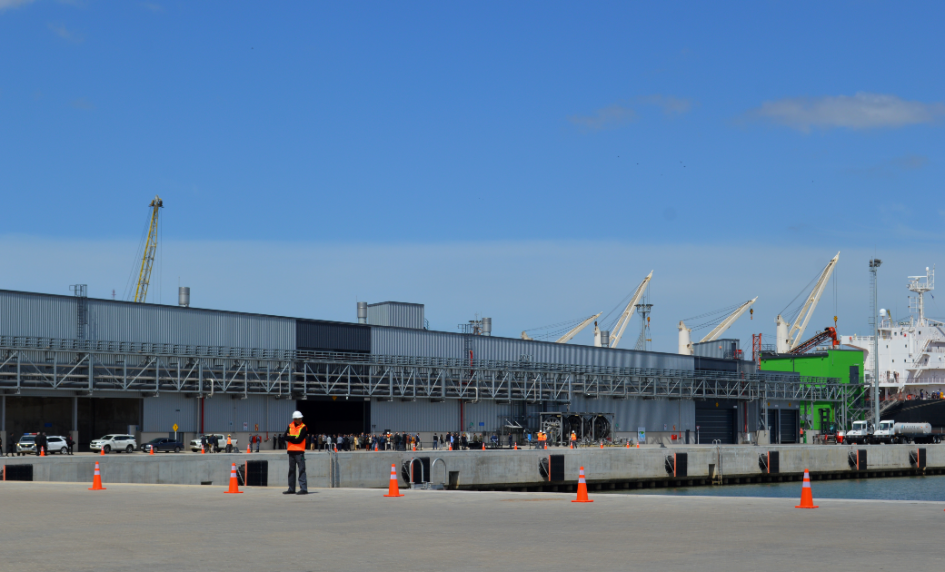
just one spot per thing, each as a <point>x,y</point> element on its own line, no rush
<point>392,441</point>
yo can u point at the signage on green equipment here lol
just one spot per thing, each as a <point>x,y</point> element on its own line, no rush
<point>174,427</point>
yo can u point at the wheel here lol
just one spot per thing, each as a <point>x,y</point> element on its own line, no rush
<point>62,451</point>
<point>129,449</point>
<point>107,449</point>
<point>177,449</point>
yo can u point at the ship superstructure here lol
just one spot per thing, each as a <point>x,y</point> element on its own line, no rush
<point>911,351</point>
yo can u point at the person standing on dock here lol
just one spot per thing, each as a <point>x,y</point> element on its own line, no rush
<point>295,436</point>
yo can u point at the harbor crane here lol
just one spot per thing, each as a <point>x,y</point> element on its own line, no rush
<point>147,258</point>
<point>790,336</point>
<point>685,340</point>
<point>572,332</point>
<point>624,318</point>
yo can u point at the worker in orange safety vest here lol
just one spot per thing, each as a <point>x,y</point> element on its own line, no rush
<point>295,438</point>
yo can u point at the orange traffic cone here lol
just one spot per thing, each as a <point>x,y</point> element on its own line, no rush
<point>450,445</point>
<point>249,448</point>
<point>203,450</point>
<point>152,450</point>
<point>638,444</point>
<point>102,454</point>
<point>415,448</point>
<point>375,447</point>
<point>571,445</point>
<point>97,479</point>
<point>628,443</point>
<point>601,444</point>
<point>807,498</point>
<point>582,489</point>
<point>42,451</point>
<point>234,484</point>
<point>546,445</point>
<point>483,446</point>
<point>515,446</point>
<point>394,489</point>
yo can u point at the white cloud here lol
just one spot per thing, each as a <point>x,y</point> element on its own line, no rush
<point>66,34</point>
<point>83,104</point>
<point>7,4</point>
<point>324,280</point>
<point>606,118</point>
<point>622,113</point>
<point>860,111</point>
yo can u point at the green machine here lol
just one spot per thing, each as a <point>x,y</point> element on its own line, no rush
<point>845,365</point>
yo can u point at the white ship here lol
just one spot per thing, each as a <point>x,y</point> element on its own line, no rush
<point>911,351</point>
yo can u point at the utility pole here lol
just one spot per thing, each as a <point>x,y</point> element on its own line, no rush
<point>874,266</point>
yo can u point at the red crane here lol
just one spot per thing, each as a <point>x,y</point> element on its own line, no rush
<point>827,334</point>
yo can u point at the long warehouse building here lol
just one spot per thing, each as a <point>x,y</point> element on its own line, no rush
<point>244,373</point>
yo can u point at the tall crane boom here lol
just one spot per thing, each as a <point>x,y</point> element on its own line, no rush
<point>150,247</point>
<point>576,330</point>
<point>727,322</point>
<point>796,330</point>
<point>624,319</point>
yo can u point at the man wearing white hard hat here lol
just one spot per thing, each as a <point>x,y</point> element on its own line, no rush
<point>295,437</point>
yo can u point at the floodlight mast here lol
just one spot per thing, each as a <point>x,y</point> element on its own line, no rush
<point>874,266</point>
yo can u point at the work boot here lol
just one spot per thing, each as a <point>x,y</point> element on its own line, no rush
<point>288,492</point>
<point>302,493</point>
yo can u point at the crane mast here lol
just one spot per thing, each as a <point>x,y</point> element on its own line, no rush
<point>150,247</point>
<point>576,330</point>
<point>790,335</point>
<point>624,318</point>
<point>727,322</point>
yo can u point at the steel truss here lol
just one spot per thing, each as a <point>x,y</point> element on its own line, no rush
<point>85,367</point>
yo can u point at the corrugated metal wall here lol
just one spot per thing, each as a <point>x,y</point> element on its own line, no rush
<point>420,415</point>
<point>150,323</point>
<point>332,336</point>
<point>722,349</point>
<point>488,416</point>
<point>415,343</point>
<point>397,314</point>
<point>222,414</point>
<point>37,315</point>
<point>162,412</point>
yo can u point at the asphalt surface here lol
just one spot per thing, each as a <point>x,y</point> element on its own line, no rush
<point>56,526</point>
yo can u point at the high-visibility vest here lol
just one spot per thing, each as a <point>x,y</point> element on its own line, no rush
<point>295,431</point>
<point>573,436</point>
<point>228,440</point>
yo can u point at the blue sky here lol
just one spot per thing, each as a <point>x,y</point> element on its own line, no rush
<point>532,161</point>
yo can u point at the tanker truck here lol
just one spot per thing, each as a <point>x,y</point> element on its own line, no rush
<point>890,432</point>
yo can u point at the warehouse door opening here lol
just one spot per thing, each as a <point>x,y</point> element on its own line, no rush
<point>336,416</point>
<point>716,422</point>
<point>787,427</point>
<point>51,415</point>
<point>99,416</point>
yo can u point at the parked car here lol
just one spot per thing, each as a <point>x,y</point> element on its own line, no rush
<point>54,444</point>
<point>221,443</point>
<point>116,442</point>
<point>26,443</point>
<point>165,444</point>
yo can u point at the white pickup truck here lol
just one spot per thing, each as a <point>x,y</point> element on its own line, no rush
<point>195,445</point>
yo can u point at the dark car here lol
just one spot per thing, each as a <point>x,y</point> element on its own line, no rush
<point>165,444</point>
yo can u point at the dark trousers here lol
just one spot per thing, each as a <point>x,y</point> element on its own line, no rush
<point>297,459</point>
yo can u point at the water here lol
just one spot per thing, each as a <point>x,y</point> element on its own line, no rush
<point>931,488</point>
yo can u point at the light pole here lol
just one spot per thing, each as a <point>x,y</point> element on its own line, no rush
<point>874,266</point>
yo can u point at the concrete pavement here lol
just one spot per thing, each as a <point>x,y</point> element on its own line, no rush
<point>62,526</point>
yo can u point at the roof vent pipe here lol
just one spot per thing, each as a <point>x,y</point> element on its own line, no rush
<point>362,312</point>
<point>183,296</point>
<point>487,326</point>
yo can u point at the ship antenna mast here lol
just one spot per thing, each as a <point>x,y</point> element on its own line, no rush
<point>920,285</point>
